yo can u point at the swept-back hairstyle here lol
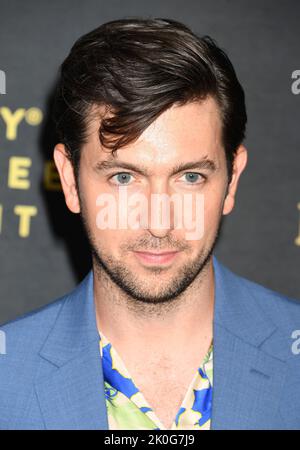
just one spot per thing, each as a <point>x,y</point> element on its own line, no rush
<point>136,69</point>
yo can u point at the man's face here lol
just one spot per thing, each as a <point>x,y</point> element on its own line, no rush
<point>166,159</point>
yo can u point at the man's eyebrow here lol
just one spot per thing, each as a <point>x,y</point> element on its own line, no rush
<point>203,163</point>
<point>102,166</point>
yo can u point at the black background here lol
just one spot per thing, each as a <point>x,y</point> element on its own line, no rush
<point>262,39</point>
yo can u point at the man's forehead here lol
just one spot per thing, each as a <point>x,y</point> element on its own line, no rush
<point>179,132</point>
<point>145,158</point>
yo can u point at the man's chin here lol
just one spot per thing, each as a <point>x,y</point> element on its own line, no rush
<point>150,283</point>
<point>145,296</point>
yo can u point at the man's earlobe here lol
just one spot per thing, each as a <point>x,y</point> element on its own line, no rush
<point>67,177</point>
<point>239,164</point>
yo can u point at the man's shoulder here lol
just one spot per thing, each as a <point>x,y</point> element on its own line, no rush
<point>38,323</point>
<point>23,359</point>
<point>26,334</point>
<point>41,315</point>
<point>21,340</point>
<point>29,330</point>
<point>282,309</point>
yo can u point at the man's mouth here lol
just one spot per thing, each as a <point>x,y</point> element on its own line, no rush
<point>156,257</point>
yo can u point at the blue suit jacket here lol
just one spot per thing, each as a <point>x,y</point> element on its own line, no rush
<point>51,374</point>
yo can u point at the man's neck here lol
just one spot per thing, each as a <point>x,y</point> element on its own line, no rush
<point>165,329</point>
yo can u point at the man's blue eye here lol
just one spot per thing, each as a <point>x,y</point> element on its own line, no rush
<point>192,177</point>
<point>122,178</point>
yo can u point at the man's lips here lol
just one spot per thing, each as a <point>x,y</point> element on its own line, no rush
<point>156,257</point>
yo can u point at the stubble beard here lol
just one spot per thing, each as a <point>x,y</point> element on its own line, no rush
<point>137,291</point>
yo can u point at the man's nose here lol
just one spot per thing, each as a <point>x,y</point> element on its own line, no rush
<point>160,209</point>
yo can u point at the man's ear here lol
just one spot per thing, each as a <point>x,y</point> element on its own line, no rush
<point>67,177</point>
<point>239,164</point>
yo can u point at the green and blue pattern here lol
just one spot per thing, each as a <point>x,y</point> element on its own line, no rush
<point>127,409</point>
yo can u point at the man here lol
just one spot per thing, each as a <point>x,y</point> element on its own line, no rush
<point>159,335</point>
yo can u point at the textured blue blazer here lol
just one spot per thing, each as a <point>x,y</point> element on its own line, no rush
<point>51,374</point>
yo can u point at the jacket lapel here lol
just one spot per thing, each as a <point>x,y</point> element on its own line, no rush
<point>72,396</point>
<point>249,358</point>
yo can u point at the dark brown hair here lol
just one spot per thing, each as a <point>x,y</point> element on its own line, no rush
<point>138,68</point>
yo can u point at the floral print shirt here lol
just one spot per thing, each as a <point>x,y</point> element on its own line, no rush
<point>127,409</point>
